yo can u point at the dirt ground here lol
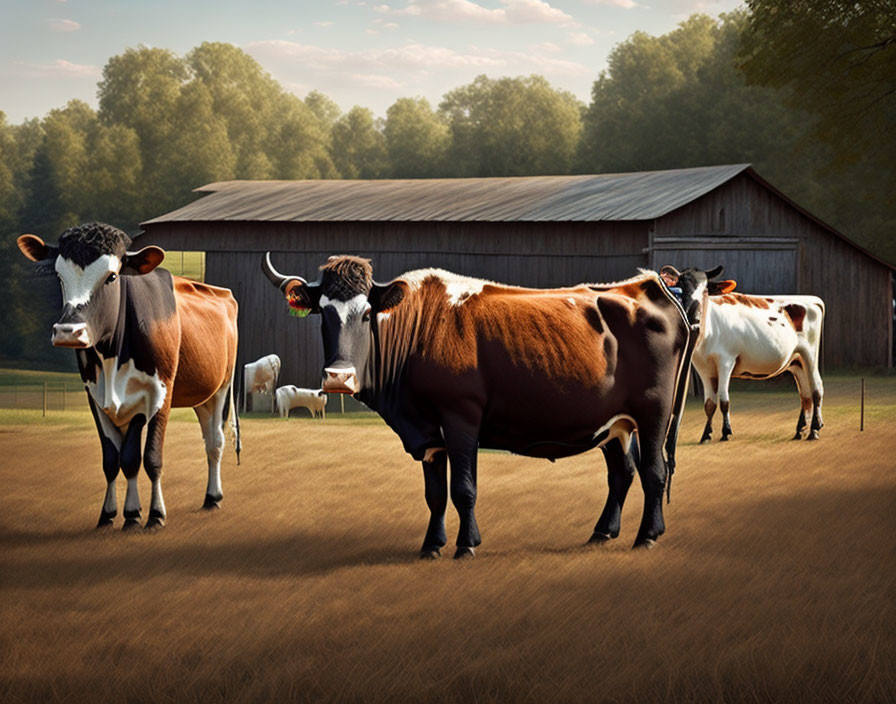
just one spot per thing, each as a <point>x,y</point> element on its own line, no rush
<point>774,581</point>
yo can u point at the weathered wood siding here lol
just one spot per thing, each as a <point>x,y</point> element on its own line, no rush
<point>855,287</point>
<point>525,254</point>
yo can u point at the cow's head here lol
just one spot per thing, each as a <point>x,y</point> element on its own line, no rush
<point>88,262</point>
<point>694,283</point>
<point>347,299</point>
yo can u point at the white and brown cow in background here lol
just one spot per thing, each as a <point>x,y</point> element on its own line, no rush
<point>260,376</point>
<point>754,337</point>
<point>145,341</point>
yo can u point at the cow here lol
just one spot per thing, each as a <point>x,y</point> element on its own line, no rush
<point>145,341</point>
<point>260,376</point>
<point>754,337</point>
<point>289,397</point>
<point>454,363</point>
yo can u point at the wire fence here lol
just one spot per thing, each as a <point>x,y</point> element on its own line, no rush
<point>48,396</point>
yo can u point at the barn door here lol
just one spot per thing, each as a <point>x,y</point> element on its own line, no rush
<point>759,265</point>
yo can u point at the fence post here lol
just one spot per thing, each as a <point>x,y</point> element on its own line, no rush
<point>862,415</point>
<point>45,401</point>
<point>342,403</point>
<point>64,393</point>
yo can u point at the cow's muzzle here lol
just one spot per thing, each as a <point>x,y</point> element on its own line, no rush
<point>340,380</point>
<point>71,335</point>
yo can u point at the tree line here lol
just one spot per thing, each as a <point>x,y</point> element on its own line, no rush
<point>807,97</point>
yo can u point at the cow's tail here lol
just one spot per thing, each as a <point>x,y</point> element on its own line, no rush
<point>231,417</point>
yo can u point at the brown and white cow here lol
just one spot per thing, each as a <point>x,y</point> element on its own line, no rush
<point>455,363</point>
<point>754,337</point>
<point>145,342</point>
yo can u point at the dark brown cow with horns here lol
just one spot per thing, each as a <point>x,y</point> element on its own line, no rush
<point>454,363</point>
<point>146,341</point>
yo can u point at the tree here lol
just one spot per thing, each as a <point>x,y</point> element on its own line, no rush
<point>358,146</point>
<point>323,108</point>
<point>511,127</point>
<point>837,59</point>
<point>416,139</point>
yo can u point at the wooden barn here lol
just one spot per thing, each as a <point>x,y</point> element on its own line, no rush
<point>532,231</point>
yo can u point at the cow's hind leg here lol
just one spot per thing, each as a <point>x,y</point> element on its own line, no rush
<point>817,388</point>
<point>211,419</point>
<point>130,466</point>
<point>110,440</point>
<point>435,478</point>
<point>802,387</point>
<point>621,467</point>
<point>725,370</point>
<point>462,443</point>
<point>709,378</point>
<point>152,463</point>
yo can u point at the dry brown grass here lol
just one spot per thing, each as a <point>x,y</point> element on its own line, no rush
<point>773,583</point>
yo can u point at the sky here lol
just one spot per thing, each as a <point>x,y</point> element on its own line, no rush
<point>357,52</point>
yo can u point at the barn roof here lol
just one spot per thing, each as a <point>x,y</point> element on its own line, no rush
<point>643,195</point>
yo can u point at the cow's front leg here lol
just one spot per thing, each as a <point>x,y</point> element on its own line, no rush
<point>435,478</point>
<point>621,468</point>
<point>652,470</point>
<point>152,463</point>
<point>110,440</point>
<point>211,416</point>
<point>463,446</point>
<point>130,466</point>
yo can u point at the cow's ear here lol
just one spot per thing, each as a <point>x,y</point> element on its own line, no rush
<point>719,287</point>
<point>670,275</point>
<point>35,249</point>
<point>384,297</point>
<point>713,273</point>
<point>303,298</point>
<point>142,261</point>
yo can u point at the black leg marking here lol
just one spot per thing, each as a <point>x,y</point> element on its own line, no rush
<point>111,463</point>
<point>156,520</point>
<point>463,447</point>
<point>726,421</point>
<point>212,503</point>
<point>709,407</point>
<point>621,469</point>
<point>107,518</point>
<point>435,478</point>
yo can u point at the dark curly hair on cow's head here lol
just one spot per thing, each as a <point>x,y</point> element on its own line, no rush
<point>345,276</point>
<point>82,244</point>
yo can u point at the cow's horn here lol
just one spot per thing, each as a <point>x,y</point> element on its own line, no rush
<point>275,277</point>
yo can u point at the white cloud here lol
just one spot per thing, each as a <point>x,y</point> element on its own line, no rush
<point>58,69</point>
<point>627,4</point>
<point>579,39</point>
<point>546,46</point>
<point>513,12</point>
<point>323,24</point>
<point>59,25</point>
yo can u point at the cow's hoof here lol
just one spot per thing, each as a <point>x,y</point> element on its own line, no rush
<point>430,553</point>
<point>131,524</point>
<point>598,538</point>
<point>644,544</point>
<point>211,503</point>
<point>156,522</point>
<point>798,436</point>
<point>724,438</point>
<point>705,440</point>
<point>464,553</point>
<point>813,435</point>
<point>106,520</point>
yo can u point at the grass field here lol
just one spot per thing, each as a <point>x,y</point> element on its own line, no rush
<point>774,582</point>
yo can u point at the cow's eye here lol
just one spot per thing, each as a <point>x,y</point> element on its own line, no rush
<point>111,277</point>
<point>366,316</point>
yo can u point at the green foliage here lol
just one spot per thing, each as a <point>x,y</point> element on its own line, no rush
<point>358,147</point>
<point>837,60</point>
<point>417,139</point>
<point>511,127</point>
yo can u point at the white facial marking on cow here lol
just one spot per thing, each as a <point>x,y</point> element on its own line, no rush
<point>78,284</point>
<point>357,305</point>
<point>122,393</point>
